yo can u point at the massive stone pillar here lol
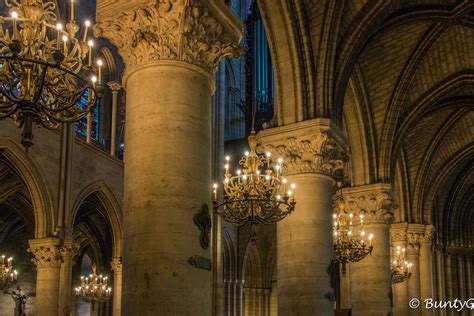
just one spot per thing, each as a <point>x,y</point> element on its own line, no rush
<point>313,154</point>
<point>116,265</point>
<point>170,49</point>
<point>371,277</point>
<point>426,268</point>
<point>398,238</point>
<point>47,259</point>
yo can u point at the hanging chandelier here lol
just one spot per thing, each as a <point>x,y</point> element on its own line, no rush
<point>44,69</point>
<point>400,267</point>
<point>258,193</point>
<point>94,287</point>
<point>8,276</point>
<point>350,242</point>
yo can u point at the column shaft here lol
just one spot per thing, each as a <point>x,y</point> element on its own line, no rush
<point>167,130</point>
<point>370,277</point>
<point>400,290</point>
<point>426,275</point>
<point>298,269</point>
<point>414,281</point>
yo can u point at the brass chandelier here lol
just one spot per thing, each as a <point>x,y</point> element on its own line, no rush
<point>350,241</point>
<point>258,193</point>
<point>44,69</point>
<point>8,275</point>
<point>94,287</point>
<point>400,267</point>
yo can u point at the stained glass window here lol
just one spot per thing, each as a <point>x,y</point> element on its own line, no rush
<point>81,126</point>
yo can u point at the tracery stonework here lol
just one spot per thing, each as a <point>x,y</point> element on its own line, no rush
<point>46,253</point>
<point>319,149</point>
<point>178,30</point>
<point>375,202</point>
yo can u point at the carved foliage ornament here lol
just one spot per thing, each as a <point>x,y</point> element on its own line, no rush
<point>181,30</point>
<point>46,256</point>
<point>377,206</point>
<point>318,153</point>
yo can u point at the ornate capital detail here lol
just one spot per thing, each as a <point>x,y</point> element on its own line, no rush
<point>180,30</point>
<point>46,253</point>
<point>398,232</point>
<point>413,248</point>
<point>375,201</point>
<point>114,86</point>
<point>428,234</point>
<point>307,147</point>
<point>69,250</point>
<point>116,265</point>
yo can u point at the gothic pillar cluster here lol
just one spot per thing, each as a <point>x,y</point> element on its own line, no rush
<point>170,49</point>
<point>314,153</point>
<point>370,278</point>
<point>416,239</point>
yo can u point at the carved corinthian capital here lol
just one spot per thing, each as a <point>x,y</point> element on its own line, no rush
<point>46,253</point>
<point>308,147</point>
<point>199,32</point>
<point>375,201</point>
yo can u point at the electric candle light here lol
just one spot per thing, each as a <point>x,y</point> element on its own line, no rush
<point>99,64</point>
<point>90,43</point>
<point>87,24</point>
<point>59,28</point>
<point>65,39</point>
<point>14,17</point>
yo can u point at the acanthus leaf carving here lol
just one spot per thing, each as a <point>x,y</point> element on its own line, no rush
<point>376,205</point>
<point>178,30</point>
<point>46,256</point>
<point>315,153</point>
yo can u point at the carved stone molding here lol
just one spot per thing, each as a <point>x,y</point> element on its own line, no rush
<point>46,253</point>
<point>308,147</point>
<point>375,202</point>
<point>179,30</point>
<point>116,265</point>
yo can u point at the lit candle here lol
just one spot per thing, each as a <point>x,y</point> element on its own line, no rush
<point>59,28</point>
<point>284,181</point>
<point>14,16</point>
<point>87,24</point>
<point>72,10</point>
<point>293,188</point>
<point>99,64</point>
<point>3,260</point>
<point>90,44</point>
<point>370,239</point>
<point>65,39</point>
<point>269,154</point>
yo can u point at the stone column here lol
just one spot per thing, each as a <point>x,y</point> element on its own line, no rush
<point>116,265</point>
<point>47,259</point>
<point>68,251</point>
<point>398,238</point>
<point>469,275</point>
<point>115,87</point>
<point>448,263</point>
<point>313,154</point>
<point>426,269</point>
<point>440,276</point>
<point>414,234</point>
<point>170,49</point>
<point>371,277</point>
